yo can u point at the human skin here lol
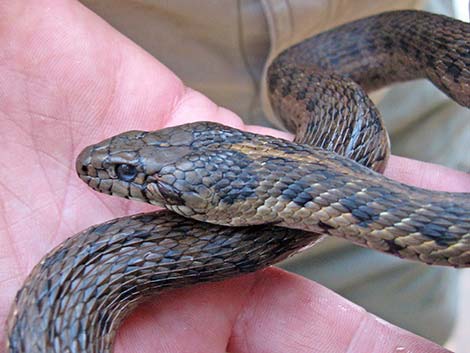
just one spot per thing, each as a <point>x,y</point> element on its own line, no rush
<point>67,79</point>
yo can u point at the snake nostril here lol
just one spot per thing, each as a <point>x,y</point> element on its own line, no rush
<point>83,161</point>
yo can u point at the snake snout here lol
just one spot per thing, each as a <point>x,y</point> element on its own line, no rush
<point>83,162</point>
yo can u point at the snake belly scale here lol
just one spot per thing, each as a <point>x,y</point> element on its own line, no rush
<point>238,202</point>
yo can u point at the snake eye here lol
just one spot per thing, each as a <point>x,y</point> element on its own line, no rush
<point>126,172</point>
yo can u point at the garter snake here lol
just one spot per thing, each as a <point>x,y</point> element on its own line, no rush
<point>252,199</point>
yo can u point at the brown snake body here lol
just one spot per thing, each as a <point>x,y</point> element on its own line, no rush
<point>74,300</point>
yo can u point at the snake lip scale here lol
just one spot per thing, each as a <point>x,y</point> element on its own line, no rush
<point>238,202</point>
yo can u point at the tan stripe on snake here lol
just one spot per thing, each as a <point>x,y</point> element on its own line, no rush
<point>75,299</point>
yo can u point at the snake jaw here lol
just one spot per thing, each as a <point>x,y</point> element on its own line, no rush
<point>162,194</point>
<point>178,197</point>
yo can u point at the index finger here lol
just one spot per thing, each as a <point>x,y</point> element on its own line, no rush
<point>287,313</point>
<point>427,175</point>
<point>267,311</point>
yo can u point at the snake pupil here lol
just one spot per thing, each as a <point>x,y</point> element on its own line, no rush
<point>126,172</point>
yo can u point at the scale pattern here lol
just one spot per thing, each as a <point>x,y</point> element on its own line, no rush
<point>280,195</point>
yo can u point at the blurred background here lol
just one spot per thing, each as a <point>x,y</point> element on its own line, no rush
<point>459,340</point>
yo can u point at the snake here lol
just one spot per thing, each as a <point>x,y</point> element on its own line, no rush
<point>237,202</point>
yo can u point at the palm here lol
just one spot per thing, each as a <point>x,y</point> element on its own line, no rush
<point>68,80</point>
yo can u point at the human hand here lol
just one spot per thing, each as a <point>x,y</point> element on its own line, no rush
<point>67,79</point>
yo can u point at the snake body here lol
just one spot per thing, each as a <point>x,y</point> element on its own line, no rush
<point>281,196</point>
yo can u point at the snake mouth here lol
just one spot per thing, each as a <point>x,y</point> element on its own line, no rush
<point>116,187</point>
<point>90,169</point>
<point>117,178</point>
<point>83,163</point>
<point>96,183</point>
<point>86,171</point>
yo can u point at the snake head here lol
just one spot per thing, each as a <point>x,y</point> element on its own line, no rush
<point>124,165</point>
<point>182,168</point>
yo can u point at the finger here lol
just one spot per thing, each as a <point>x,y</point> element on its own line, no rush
<point>427,175</point>
<point>196,320</point>
<point>287,313</point>
<point>269,311</point>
